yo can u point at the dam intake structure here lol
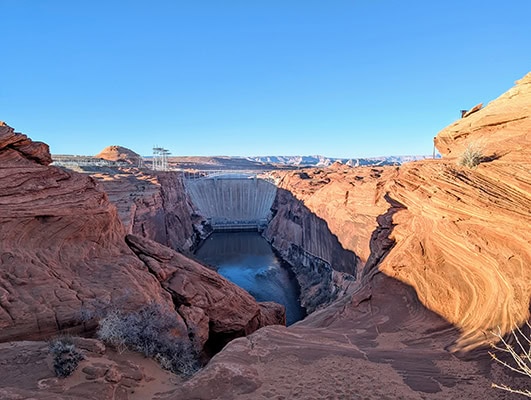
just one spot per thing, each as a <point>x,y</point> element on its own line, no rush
<point>232,200</point>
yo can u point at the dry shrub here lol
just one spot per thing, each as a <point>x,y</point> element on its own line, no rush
<point>519,357</point>
<point>66,356</point>
<point>472,156</point>
<point>150,332</point>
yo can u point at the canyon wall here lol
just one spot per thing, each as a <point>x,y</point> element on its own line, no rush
<point>443,258</point>
<point>153,205</point>
<point>457,235</point>
<point>60,245</point>
<point>64,254</point>
<point>322,224</point>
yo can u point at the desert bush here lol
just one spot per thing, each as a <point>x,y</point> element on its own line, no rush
<point>519,357</point>
<point>150,331</point>
<point>472,156</point>
<point>66,356</point>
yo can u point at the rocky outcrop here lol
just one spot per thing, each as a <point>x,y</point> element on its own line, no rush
<point>61,246</point>
<point>463,242</point>
<point>219,310</point>
<point>63,255</point>
<point>119,153</point>
<point>23,150</point>
<point>444,257</point>
<point>153,205</point>
<point>457,235</point>
<point>499,130</point>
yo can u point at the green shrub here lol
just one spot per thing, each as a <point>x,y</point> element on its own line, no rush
<point>66,356</point>
<point>472,156</point>
<point>150,332</point>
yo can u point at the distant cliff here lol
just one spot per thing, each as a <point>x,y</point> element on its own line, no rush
<point>322,161</point>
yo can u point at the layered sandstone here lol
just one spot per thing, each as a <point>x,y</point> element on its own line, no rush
<point>500,129</point>
<point>322,224</point>
<point>443,257</point>
<point>153,205</point>
<point>63,252</point>
<point>459,235</point>
<point>61,245</point>
<point>216,309</point>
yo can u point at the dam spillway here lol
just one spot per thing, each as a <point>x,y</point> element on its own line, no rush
<point>232,201</point>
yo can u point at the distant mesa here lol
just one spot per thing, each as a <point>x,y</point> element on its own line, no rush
<point>119,153</point>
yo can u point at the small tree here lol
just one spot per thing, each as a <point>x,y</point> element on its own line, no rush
<point>520,357</point>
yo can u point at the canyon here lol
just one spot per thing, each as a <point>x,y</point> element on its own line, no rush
<point>405,272</point>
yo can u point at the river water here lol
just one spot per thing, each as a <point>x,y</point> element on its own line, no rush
<point>247,259</point>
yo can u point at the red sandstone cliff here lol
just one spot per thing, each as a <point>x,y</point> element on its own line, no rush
<point>154,206</point>
<point>460,235</point>
<point>444,256</point>
<point>62,250</point>
<point>61,246</point>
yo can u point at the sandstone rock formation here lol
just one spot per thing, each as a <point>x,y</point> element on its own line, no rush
<point>322,224</point>
<point>219,310</point>
<point>62,250</point>
<point>458,235</point>
<point>119,153</point>
<point>441,254</point>
<point>443,257</point>
<point>61,245</point>
<point>153,205</point>
<point>500,129</point>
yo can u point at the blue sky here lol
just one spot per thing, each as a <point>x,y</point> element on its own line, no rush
<point>337,78</point>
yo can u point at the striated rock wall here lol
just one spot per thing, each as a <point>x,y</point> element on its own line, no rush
<point>444,258</point>
<point>61,246</point>
<point>322,224</point>
<point>500,129</point>
<point>458,235</point>
<point>63,250</point>
<point>152,205</point>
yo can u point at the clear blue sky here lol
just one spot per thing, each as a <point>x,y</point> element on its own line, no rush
<point>337,78</point>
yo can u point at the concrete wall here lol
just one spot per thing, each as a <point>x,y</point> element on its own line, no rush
<point>230,200</point>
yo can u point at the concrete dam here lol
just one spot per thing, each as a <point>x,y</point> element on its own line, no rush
<point>232,201</point>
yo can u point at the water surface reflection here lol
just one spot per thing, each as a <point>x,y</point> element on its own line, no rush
<point>247,259</point>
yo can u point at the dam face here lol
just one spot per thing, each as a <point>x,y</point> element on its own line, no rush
<point>232,201</point>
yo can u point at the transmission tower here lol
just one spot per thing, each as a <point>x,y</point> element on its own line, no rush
<point>160,158</point>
